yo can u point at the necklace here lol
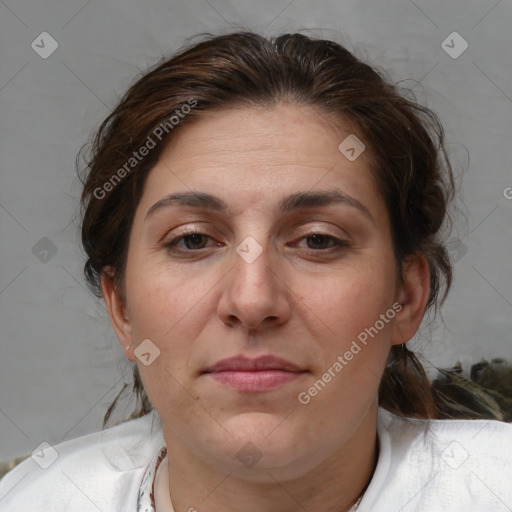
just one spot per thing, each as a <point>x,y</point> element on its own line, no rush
<point>146,497</point>
<point>355,506</point>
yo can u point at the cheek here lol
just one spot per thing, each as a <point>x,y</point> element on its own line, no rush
<point>352,298</point>
<point>171,310</point>
<point>354,347</point>
<point>159,299</point>
<point>347,311</point>
<point>168,310</point>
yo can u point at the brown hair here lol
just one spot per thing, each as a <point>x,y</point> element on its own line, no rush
<point>405,141</point>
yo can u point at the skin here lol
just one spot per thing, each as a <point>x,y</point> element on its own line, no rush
<point>300,300</point>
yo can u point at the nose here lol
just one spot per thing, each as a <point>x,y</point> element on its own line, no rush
<point>255,294</point>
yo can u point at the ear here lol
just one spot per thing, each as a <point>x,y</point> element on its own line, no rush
<point>117,312</point>
<point>413,296</point>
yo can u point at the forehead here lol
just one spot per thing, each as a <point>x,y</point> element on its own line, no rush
<point>285,133</point>
<point>255,156</point>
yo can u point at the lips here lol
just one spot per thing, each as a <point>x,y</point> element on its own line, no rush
<point>261,363</point>
<point>264,373</point>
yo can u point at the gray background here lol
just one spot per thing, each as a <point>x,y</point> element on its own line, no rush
<point>60,364</point>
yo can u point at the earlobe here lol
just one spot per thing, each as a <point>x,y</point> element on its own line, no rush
<point>413,296</point>
<point>117,312</point>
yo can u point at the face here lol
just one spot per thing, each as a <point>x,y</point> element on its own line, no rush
<point>295,280</point>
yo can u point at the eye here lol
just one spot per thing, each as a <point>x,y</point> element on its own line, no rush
<point>320,240</point>
<point>193,241</point>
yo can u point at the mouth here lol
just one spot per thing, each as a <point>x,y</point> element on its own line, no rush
<point>264,373</point>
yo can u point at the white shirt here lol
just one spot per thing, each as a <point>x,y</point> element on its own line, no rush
<point>437,465</point>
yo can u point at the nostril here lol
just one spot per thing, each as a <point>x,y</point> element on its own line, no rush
<point>232,320</point>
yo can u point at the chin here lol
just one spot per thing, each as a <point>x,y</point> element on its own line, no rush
<point>263,446</point>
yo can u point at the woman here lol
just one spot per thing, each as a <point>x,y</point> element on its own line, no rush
<point>263,220</point>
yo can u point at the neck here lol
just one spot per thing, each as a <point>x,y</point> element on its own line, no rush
<point>333,485</point>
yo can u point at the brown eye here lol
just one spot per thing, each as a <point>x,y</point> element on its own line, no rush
<point>194,240</point>
<point>191,242</point>
<point>319,241</point>
<point>322,242</point>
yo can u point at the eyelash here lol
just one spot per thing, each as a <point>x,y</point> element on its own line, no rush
<point>338,244</point>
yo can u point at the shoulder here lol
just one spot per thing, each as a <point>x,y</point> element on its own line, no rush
<point>101,471</point>
<point>443,464</point>
<point>481,436</point>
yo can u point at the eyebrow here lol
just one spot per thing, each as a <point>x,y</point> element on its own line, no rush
<point>296,201</point>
